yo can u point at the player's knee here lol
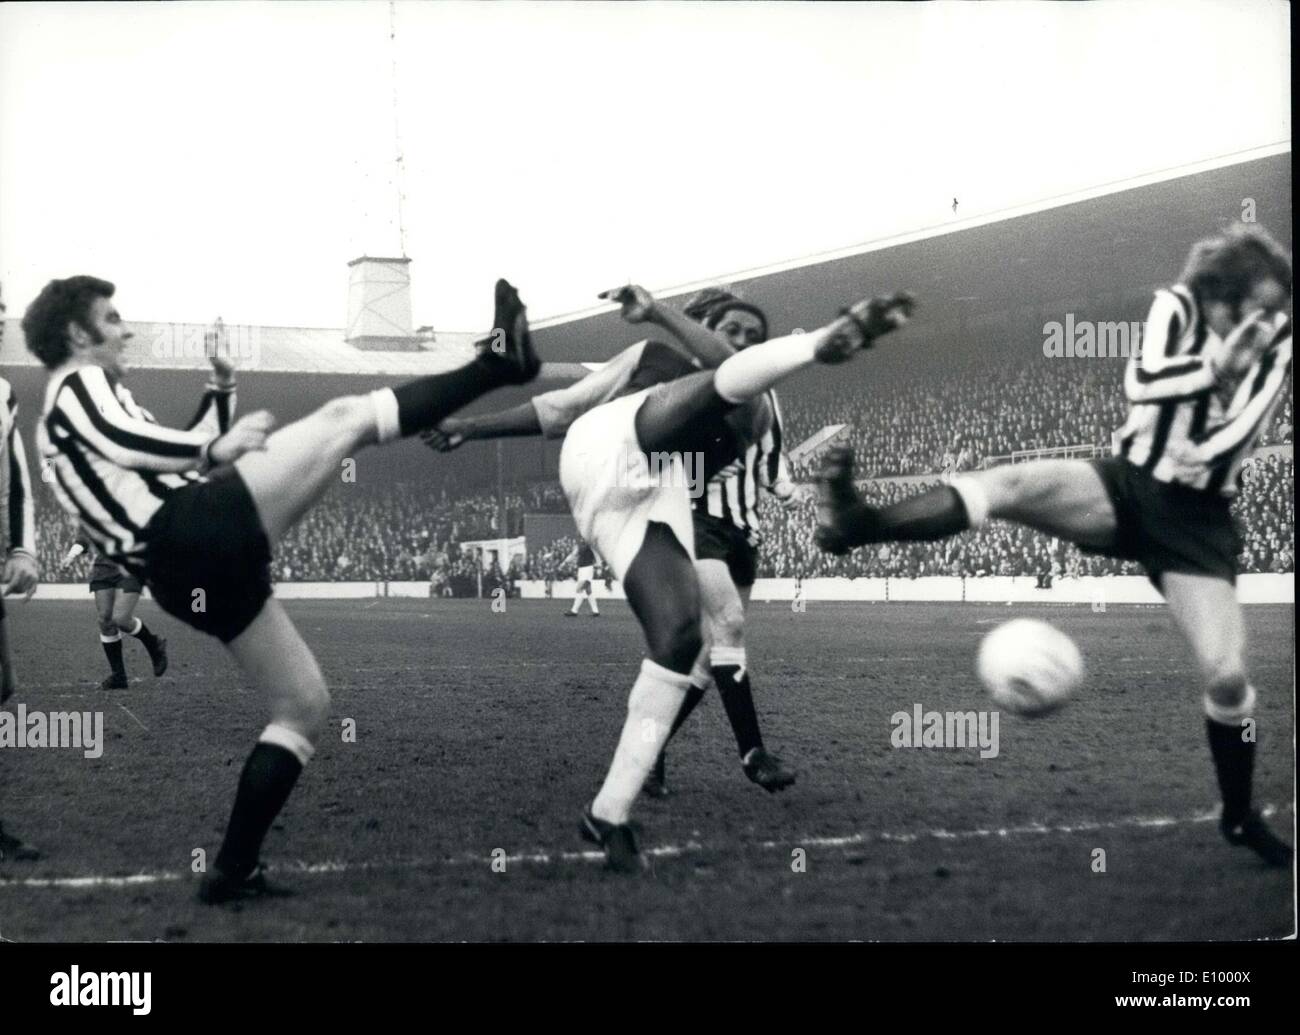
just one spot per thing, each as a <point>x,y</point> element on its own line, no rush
<point>306,707</point>
<point>107,625</point>
<point>727,626</point>
<point>351,416</point>
<point>309,710</point>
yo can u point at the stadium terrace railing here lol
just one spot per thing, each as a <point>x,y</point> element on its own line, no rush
<point>1088,451</point>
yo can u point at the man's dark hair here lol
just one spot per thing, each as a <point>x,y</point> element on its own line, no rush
<point>1226,267</point>
<point>45,324</point>
<point>709,305</point>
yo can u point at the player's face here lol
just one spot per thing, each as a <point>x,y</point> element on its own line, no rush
<point>104,339</point>
<point>741,328</point>
<point>1265,294</point>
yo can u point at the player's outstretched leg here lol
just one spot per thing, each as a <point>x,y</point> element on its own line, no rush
<point>1064,498</point>
<point>303,459</point>
<point>14,849</point>
<point>663,594</point>
<point>110,638</point>
<point>669,419</point>
<point>1207,613</point>
<point>127,623</point>
<point>299,463</point>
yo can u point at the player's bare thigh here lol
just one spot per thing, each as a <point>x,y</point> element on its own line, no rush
<point>274,656</point>
<point>1064,498</point>
<point>722,603</point>
<point>305,458</point>
<point>1207,613</point>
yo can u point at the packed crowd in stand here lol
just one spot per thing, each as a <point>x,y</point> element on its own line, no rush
<point>412,530</point>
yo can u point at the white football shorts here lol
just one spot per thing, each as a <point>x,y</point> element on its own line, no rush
<point>615,490</point>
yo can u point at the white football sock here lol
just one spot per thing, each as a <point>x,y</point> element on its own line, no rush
<point>701,674</point>
<point>752,371</point>
<point>1231,715</point>
<point>656,698</point>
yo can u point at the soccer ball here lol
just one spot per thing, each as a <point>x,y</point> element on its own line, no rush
<point>1029,667</point>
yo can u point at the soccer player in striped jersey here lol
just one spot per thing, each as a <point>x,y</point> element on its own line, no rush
<point>627,428</point>
<point>21,572</point>
<point>117,592</point>
<point>585,558</point>
<point>193,513</point>
<point>1215,358</point>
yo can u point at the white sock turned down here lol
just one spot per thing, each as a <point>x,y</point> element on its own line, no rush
<point>655,699</point>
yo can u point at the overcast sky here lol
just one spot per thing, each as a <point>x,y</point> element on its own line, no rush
<point>231,158</point>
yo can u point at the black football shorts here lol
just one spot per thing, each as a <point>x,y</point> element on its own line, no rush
<point>717,539</point>
<point>1168,527</point>
<point>208,561</point>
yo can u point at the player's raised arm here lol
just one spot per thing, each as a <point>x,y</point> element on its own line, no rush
<point>1160,371</point>
<point>217,407</point>
<point>549,413</point>
<point>639,306</point>
<point>455,431</point>
<point>86,408</point>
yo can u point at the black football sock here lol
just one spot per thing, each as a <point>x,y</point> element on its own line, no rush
<point>424,403</point>
<point>113,651</point>
<point>1234,764</point>
<point>142,633</point>
<point>694,695</point>
<point>737,697</point>
<point>932,514</point>
<point>264,786</point>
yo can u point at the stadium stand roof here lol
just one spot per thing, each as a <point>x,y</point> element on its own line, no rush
<point>1052,256</point>
<point>179,346</point>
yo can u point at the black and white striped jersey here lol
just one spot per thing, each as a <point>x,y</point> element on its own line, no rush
<point>111,464</point>
<point>17,508</point>
<point>733,493</point>
<point>1186,425</point>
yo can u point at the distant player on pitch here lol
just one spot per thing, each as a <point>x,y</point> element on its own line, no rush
<point>585,558</point>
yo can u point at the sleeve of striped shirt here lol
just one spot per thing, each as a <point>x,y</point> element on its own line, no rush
<point>86,407</point>
<point>216,409</point>
<point>557,409</point>
<point>1253,402</point>
<point>20,505</point>
<point>1158,372</point>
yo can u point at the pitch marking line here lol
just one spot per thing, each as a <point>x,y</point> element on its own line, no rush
<point>658,852</point>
